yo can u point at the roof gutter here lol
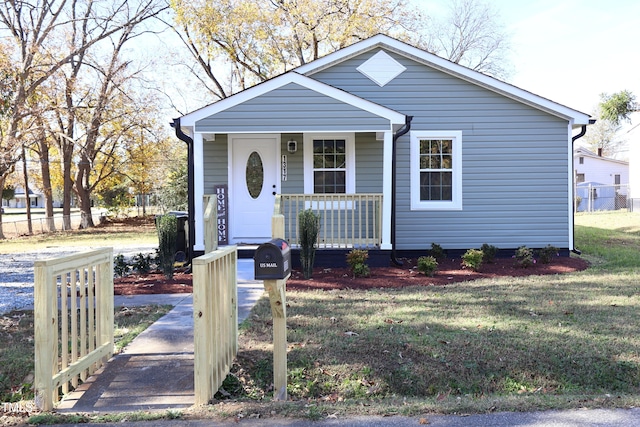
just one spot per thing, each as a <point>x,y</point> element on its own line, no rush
<point>191,180</point>
<point>406,128</point>
<point>583,131</point>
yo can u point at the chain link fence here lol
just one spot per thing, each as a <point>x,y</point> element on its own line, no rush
<point>41,225</point>
<point>593,197</point>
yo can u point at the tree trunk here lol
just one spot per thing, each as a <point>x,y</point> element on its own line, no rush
<point>67,188</point>
<point>2,180</point>
<point>45,170</point>
<point>25,175</point>
<point>84,193</point>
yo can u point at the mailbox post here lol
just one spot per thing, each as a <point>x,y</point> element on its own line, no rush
<point>272,264</point>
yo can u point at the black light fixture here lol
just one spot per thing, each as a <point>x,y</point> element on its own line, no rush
<point>292,146</point>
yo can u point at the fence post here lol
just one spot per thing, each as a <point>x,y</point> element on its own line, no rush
<point>277,226</point>
<point>105,295</point>
<point>46,342</point>
<point>211,225</point>
<point>277,298</point>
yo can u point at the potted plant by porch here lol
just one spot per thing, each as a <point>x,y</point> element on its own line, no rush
<point>309,226</point>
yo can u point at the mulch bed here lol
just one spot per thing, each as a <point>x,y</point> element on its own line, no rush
<point>449,271</point>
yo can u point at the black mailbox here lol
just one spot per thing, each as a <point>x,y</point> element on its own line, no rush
<point>272,260</point>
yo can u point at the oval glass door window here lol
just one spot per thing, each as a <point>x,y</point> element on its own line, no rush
<point>255,175</point>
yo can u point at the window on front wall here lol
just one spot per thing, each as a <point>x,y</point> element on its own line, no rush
<point>329,164</point>
<point>436,170</point>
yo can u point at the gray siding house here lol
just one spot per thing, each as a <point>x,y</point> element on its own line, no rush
<point>395,148</point>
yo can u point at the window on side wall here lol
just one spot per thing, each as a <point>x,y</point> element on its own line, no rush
<point>329,164</point>
<point>436,170</point>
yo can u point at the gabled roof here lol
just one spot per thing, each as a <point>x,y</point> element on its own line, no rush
<point>581,151</point>
<point>394,117</point>
<point>576,117</point>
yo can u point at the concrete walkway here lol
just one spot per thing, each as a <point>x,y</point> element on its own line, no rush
<point>155,371</point>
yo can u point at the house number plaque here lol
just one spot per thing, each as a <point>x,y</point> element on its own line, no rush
<point>284,168</point>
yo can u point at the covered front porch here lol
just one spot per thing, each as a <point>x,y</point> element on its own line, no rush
<point>293,144</point>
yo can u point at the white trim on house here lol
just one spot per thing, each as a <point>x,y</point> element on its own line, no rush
<point>570,205</point>
<point>382,41</point>
<point>198,193</point>
<point>381,68</point>
<point>396,118</point>
<point>456,202</point>
<point>350,139</point>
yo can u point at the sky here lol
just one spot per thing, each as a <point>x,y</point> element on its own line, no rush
<point>571,51</point>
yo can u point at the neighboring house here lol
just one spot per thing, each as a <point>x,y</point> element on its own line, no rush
<point>395,148</point>
<point>20,199</point>
<point>601,182</point>
<point>590,166</point>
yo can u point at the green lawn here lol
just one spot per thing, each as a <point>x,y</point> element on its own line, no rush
<point>537,342</point>
<point>113,235</point>
<point>531,343</point>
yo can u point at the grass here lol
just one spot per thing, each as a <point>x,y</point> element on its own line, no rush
<point>124,232</point>
<point>17,346</point>
<point>511,344</point>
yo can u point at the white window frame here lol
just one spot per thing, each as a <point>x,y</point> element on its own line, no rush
<point>414,150</point>
<point>350,140</point>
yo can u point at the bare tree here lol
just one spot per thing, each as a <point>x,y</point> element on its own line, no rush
<point>471,35</point>
<point>38,29</point>
<point>602,137</point>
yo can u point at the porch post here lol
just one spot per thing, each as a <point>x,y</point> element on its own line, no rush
<point>387,151</point>
<point>198,193</point>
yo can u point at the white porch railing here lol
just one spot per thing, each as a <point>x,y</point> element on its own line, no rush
<point>346,220</point>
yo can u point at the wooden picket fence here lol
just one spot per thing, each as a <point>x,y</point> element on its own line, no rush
<point>215,314</point>
<point>73,308</point>
<point>210,224</point>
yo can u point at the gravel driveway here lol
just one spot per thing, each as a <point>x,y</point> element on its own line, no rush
<point>16,271</point>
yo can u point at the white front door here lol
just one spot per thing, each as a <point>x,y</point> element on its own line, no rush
<point>254,183</point>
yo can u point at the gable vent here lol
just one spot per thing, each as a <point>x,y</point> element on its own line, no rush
<point>381,68</point>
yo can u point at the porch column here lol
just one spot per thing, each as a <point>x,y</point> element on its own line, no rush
<point>198,191</point>
<point>387,151</point>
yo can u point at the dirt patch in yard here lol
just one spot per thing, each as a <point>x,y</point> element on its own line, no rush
<point>449,271</point>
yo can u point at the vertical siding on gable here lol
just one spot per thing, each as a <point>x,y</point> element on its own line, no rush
<point>515,160</point>
<point>216,163</point>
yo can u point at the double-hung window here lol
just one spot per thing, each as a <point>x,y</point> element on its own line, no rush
<point>436,170</point>
<point>329,164</point>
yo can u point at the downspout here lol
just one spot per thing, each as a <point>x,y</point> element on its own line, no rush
<point>406,128</point>
<point>191,178</point>
<point>583,131</point>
